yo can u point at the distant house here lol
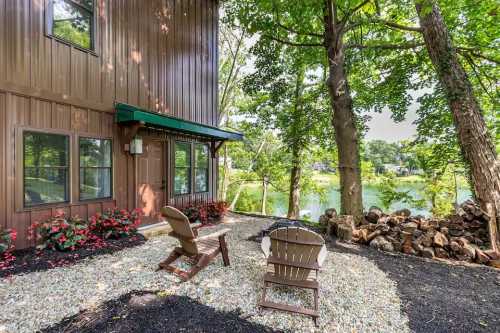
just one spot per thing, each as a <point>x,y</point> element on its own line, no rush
<point>106,103</point>
<point>322,167</point>
<point>398,170</point>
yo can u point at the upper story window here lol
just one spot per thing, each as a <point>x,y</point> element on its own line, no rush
<point>95,168</point>
<point>46,168</point>
<point>72,21</point>
<point>182,176</point>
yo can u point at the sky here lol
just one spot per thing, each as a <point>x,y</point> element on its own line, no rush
<point>382,127</point>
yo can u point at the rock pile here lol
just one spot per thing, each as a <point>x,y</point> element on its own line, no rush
<point>461,237</point>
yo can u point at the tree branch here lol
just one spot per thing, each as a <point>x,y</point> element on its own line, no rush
<point>477,54</point>
<point>387,23</point>
<point>400,26</point>
<point>299,32</point>
<point>404,46</point>
<point>287,42</point>
<point>352,11</point>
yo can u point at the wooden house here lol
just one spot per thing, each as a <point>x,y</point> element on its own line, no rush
<point>106,103</point>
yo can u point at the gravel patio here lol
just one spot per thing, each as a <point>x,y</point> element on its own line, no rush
<point>358,293</point>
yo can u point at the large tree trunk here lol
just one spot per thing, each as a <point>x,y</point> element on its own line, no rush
<point>296,170</point>
<point>475,142</point>
<point>294,196</point>
<point>346,134</point>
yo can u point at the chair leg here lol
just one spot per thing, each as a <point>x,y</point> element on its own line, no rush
<point>223,250</point>
<point>264,292</point>
<point>171,258</point>
<point>316,306</point>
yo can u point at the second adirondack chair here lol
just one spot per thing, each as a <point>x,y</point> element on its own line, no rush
<point>294,257</point>
<point>199,251</point>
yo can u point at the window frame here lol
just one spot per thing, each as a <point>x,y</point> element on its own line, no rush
<point>22,179</point>
<point>207,172</point>
<point>49,24</point>
<point>111,190</point>
<point>190,173</point>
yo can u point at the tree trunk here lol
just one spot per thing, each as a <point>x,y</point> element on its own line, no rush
<point>346,134</point>
<point>475,142</point>
<point>294,196</point>
<point>296,170</point>
<point>226,176</point>
<point>264,196</point>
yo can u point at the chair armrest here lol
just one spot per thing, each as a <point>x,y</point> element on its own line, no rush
<point>214,234</point>
<point>265,246</point>
<point>195,227</point>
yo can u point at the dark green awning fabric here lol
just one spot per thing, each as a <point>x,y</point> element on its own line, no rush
<point>129,114</point>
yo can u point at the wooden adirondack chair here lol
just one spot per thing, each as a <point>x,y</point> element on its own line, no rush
<point>200,251</point>
<point>294,257</point>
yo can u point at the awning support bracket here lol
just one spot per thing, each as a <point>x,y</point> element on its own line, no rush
<point>215,146</point>
<point>132,130</point>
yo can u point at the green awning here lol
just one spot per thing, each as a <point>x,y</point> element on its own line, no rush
<point>130,114</point>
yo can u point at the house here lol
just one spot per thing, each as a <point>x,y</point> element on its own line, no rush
<point>106,103</point>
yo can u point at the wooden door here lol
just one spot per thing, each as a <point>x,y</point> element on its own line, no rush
<point>151,180</point>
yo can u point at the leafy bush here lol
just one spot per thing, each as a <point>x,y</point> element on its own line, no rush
<point>7,239</point>
<point>115,223</point>
<point>205,212</point>
<point>60,233</point>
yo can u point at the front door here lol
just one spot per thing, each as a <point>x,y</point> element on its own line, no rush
<point>151,180</point>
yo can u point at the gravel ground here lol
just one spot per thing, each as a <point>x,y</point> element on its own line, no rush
<point>355,295</point>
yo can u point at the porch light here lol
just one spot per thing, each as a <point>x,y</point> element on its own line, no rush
<point>136,145</point>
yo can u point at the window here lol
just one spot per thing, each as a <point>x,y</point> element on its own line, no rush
<point>72,21</point>
<point>182,177</point>
<point>46,168</point>
<point>200,168</point>
<point>95,168</point>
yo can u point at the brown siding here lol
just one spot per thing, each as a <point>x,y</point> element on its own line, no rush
<point>157,54</point>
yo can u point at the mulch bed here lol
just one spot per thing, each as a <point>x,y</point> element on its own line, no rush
<point>33,260</point>
<point>147,311</point>
<point>438,296</point>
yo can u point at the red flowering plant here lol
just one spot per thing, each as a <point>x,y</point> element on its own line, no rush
<point>60,233</point>
<point>115,223</point>
<point>205,212</point>
<point>7,239</point>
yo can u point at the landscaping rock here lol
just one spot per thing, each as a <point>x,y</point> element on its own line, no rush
<point>331,212</point>
<point>344,232</point>
<point>409,227</point>
<point>427,252</point>
<point>481,257</point>
<point>403,212</point>
<point>458,236</point>
<point>374,214</point>
<point>440,239</point>
<point>381,243</point>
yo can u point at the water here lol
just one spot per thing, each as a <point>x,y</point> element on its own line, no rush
<point>312,207</point>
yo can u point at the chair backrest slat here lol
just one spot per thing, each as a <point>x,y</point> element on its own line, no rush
<point>181,226</point>
<point>294,245</point>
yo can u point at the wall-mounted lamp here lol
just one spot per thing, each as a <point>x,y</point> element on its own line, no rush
<point>136,145</point>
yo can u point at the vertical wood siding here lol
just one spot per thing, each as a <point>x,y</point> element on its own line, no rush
<point>156,54</point>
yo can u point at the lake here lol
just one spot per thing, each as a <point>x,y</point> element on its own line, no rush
<point>312,207</point>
